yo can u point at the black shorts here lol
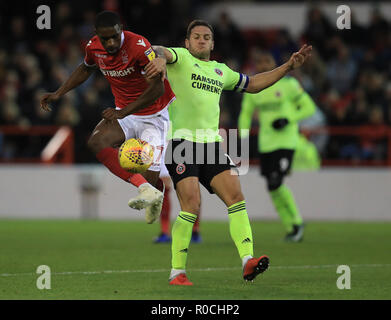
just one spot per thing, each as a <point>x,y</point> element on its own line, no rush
<point>276,161</point>
<point>190,159</point>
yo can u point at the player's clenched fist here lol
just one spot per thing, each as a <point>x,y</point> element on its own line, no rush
<point>46,99</point>
<point>299,57</point>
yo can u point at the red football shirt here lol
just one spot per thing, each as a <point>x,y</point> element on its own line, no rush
<point>124,70</point>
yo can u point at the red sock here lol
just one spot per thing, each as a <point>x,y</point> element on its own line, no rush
<point>196,225</point>
<point>109,158</point>
<point>165,215</point>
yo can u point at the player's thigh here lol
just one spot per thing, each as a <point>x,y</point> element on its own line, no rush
<point>184,173</point>
<point>275,166</point>
<point>214,167</point>
<point>176,162</point>
<point>106,134</point>
<point>227,187</point>
<point>189,195</point>
<point>279,160</point>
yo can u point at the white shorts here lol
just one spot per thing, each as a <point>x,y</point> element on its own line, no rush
<point>163,170</point>
<point>152,129</point>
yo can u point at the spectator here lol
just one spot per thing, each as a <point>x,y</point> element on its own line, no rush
<point>38,115</point>
<point>341,71</point>
<point>18,39</point>
<point>378,30</point>
<point>229,41</point>
<point>317,30</point>
<point>67,115</point>
<point>315,71</point>
<point>388,102</point>
<point>284,47</point>
<point>348,78</point>
<point>86,29</point>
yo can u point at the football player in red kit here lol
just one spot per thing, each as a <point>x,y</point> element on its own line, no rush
<point>140,105</point>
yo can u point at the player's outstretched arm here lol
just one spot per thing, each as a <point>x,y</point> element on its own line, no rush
<point>78,76</point>
<point>158,65</point>
<point>263,80</point>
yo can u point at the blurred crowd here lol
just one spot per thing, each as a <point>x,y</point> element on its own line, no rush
<point>348,76</point>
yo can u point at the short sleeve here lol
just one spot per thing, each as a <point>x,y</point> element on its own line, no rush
<point>177,53</point>
<point>89,57</point>
<point>234,81</point>
<point>144,53</point>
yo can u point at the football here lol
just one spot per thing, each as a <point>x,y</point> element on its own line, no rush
<point>135,155</point>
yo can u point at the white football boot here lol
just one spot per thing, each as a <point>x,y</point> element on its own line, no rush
<point>147,196</point>
<point>153,211</point>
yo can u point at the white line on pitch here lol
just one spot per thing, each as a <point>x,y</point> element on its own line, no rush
<point>195,269</point>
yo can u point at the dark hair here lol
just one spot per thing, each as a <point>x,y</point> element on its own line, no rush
<point>196,23</point>
<point>107,19</point>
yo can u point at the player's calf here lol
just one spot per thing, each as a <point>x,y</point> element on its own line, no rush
<point>189,202</point>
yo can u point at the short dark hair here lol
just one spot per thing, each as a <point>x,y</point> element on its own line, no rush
<point>196,23</point>
<point>107,19</point>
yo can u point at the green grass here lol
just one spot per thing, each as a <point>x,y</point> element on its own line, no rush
<point>140,268</point>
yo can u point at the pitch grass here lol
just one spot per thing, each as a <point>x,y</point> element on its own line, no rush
<point>138,269</point>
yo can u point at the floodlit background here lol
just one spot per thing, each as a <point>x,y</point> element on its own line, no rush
<point>60,207</point>
<point>348,76</point>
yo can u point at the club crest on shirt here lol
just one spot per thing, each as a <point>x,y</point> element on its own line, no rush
<point>101,63</point>
<point>180,168</point>
<point>219,72</point>
<point>125,58</point>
